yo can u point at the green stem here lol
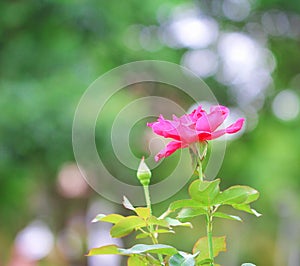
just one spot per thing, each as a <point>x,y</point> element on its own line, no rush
<point>155,241</point>
<point>200,173</point>
<point>201,150</point>
<point>209,227</point>
<point>201,153</point>
<point>165,214</point>
<point>161,259</point>
<point>151,229</point>
<point>147,197</point>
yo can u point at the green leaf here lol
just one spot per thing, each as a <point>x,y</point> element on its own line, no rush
<point>253,195</point>
<point>137,261</point>
<point>156,221</point>
<point>152,261</point>
<point>204,192</point>
<point>136,249</point>
<point>163,231</point>
<point>182,259</point>
<point>227,216</point>
<point>188,213</point>
<point>105,250</point>
<point>156,249</point>
<point>237,195</point>
<point>246,208</point>
<point>127,204</point>
<point>143,235</point>
<point>175,222</point>
<point>143,212</point>
<point>185,203</point>
<point>219,245</point>
<point>110,218</point>
<point>98,218</point>
<point>142,260</point>
<point>205,262</point>
<point>126,226</point>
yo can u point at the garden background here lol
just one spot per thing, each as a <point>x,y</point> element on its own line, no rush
<point>50,51</point>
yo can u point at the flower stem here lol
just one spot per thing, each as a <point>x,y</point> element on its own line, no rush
<point>200,173</point>
<point>201,150</point>
<point>147,197</point>
<point>151,229</point>
<point>209,226</point>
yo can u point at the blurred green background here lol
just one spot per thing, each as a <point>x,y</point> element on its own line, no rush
<point>247,51</point>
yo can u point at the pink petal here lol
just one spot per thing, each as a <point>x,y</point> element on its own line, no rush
<point>180,129</point>
<point>219,108</point>
<point>169,149</point>
<point>217,116</point>
<point>203,124</point>
<point>197,113</point>
<point>165,128</point>
<point>213,120</point>
<point>185,120</point>
<point>217,134</point>
<point>236,126</point>
<point>203,136</point>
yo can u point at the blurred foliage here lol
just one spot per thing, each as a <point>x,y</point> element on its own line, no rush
<point>50,51</point>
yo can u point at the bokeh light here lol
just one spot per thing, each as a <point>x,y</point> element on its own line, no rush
<point>236,10</point>
<point>276,23</point>
<point>70,182</point>
<point>203,63</point>
<point>98,234</point>
<point>286,105</point>
<point>35,241</point>
<point>187,29</point>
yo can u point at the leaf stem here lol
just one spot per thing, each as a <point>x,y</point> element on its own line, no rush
<point>147,197</point>
<point>209,227</point>
<point>151,229</point>
<point>201,153</point>
<point>200,173</point>
<point>201,150</point>
<point>165,214</point>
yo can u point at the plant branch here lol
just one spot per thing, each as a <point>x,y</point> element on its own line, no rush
<point>147,197</point>
<point>209,227</point>
<point>151,229</point>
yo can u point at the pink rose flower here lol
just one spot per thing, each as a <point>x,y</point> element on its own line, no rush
<point>198,126</point>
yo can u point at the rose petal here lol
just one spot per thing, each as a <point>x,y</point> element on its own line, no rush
<point>210,122</point>
<point>194,127</point>
<point>217,116</point>
<point>233,128</point>
<point>165,128</point>
<point>181,129</point>
<point>197,113</point>
<point>217,134</point>
<point>203,136</point>
<point>170,149</point>
<point>236,126</point>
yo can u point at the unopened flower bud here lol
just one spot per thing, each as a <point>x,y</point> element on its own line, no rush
<point>144,173</point>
